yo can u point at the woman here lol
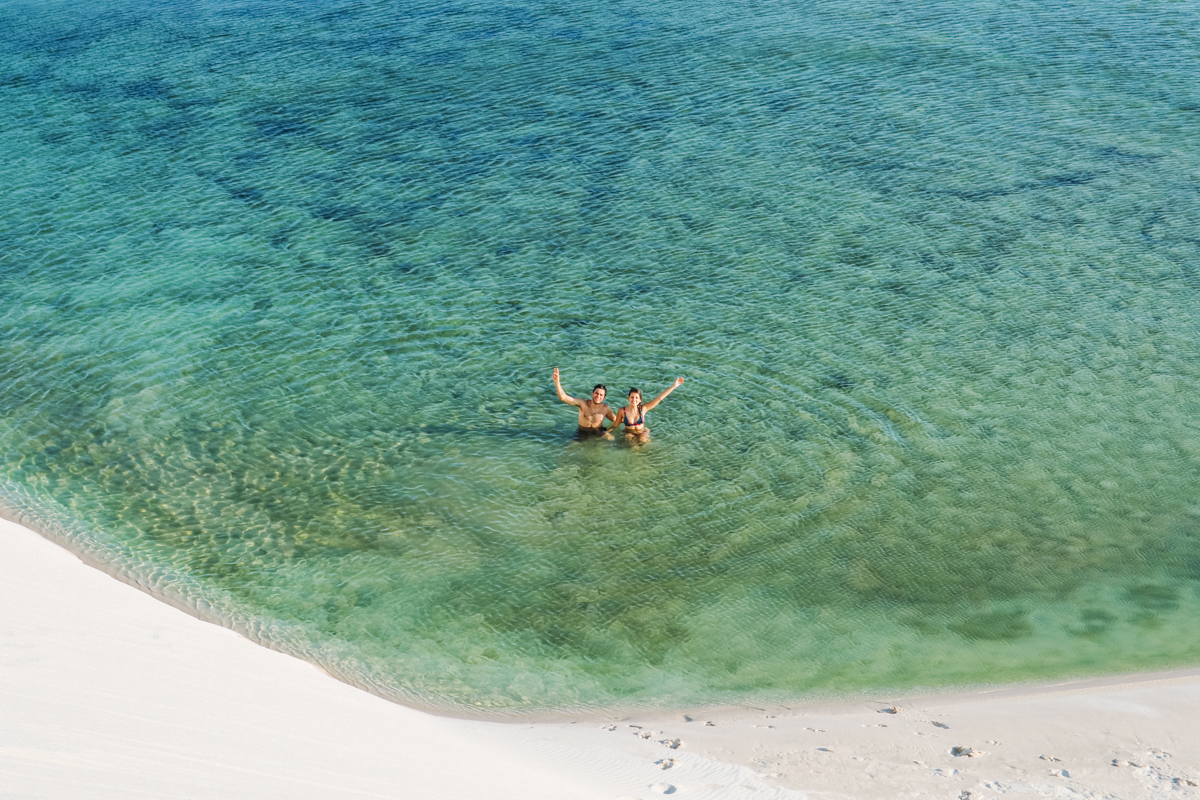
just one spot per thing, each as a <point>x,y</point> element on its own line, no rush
<point>633,416</point>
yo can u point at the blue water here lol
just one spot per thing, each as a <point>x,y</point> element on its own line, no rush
<point>283,285</point>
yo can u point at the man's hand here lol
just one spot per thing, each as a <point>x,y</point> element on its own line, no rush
<point>566,398</point>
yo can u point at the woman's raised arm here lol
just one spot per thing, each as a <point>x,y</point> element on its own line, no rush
<point>665,392</point>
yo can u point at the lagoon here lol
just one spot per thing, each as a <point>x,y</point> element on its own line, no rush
<point>284,284</point>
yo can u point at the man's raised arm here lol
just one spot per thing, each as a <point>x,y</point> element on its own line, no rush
<point>566,398</point>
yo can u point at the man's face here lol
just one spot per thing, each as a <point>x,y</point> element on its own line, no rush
<point>597,395</point>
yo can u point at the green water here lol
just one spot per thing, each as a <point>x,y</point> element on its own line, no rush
<point>283,284</point>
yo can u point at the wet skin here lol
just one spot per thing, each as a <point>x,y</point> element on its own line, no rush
<point>592,411</point>
<point>628,415</point>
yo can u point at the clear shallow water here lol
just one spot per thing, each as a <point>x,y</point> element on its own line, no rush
<point>283,284</point>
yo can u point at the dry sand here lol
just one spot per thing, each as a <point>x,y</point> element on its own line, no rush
<point>106,692</point>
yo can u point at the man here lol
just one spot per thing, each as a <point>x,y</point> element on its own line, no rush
<point>592,412</point>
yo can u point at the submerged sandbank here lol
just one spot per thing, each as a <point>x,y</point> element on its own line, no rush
<point>107,692</point>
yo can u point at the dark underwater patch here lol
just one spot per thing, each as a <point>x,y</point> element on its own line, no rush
<point>1124,155</point>
<point>337,213</point>
<point>994,626</point>
<point>441,58</point>
<point>246,195</point>
<point>1093,622</point>
<point>280,122</point>
<point>147,89</point>
<point>170,130</point>
<point>1052,182</point>
<point>1153,597</point>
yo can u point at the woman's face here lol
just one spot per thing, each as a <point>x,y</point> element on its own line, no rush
<point>635,398</point>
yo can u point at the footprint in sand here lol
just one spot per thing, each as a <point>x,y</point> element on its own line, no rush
<point>663,788</point>
<point>665,763</point>
<point>969,752</point>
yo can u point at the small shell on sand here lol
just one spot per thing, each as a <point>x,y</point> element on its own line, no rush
<point>891,710</point>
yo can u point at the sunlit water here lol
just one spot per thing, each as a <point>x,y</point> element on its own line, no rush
<point>283,285</point>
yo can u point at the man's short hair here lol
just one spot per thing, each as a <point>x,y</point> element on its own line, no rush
<point>600,386</point>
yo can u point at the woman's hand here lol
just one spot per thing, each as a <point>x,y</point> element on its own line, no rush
<point>650,406</point>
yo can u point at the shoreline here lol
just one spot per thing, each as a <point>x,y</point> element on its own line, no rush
<point>107,691</point>
<point>207,610</point>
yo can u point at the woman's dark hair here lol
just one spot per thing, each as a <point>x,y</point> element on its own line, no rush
<point>600,386</point>
<point>633,389</point>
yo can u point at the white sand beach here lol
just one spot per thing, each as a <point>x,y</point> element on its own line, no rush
<point>106,692</point>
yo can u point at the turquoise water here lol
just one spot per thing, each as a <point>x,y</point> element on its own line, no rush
<point>283,285</point>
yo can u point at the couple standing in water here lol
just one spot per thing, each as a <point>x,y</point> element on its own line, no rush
<point>593,411</point>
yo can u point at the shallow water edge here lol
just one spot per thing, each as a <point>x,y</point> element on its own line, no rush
<point>176,589</point>
<point>181,592</point>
